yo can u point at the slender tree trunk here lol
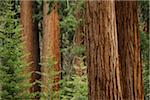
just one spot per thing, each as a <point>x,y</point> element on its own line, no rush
<point>129,50</point>
<point>36,48</point>
<point>36,87</point>
<point>51,47</point>
<point>102,51</point>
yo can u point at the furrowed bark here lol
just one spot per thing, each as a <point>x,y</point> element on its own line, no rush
<point>102,51</point>
<point>129,50</point>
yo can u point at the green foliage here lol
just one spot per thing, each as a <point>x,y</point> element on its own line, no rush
<point>78,50</point>
<point>50,74</point>
<point>144,18</point>
<point>144,10</point>
<point>74,88</point>
<point>145,63</point>
<point>68,26</point>
<point>37,10</point>
<point>10,54</point>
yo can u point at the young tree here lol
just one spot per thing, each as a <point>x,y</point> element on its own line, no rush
<point>51,49</point>
<point>129,50</point>
<point>102,51</point>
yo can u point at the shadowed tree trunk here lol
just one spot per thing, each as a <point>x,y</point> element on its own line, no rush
<point>51,48</point>
<point>129,50</point>
<point>102,51</point>
<point>36,50</point>
<point>36,87</point>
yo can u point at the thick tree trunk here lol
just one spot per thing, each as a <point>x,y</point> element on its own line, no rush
<point>129,50</point>
<point>27,36</point>
<point>30,44</point>
<point>102,51</point>
<point>51,48</point>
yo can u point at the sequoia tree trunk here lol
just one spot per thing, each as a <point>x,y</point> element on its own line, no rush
<point>30,43</point>
<point>51,48</point>
<point>102,51</point>
<point>129,50</point>
<point>27,37</point>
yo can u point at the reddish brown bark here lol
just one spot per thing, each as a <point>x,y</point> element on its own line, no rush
<point>102,51</point>
<point>51,46</point>
<point>27,36</point>
<point>30,43</point>
<point>129,50</point>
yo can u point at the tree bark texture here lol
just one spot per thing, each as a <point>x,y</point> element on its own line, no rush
<point>27,37</point>
<point>102,51</point>
<point>30,40</point>
<point>51,46</point>
<point>129,50</point>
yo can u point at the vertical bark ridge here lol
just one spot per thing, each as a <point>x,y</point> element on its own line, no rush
<point>129,50</point>
<point>102,51</point>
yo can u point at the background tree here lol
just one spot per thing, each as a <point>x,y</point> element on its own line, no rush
<point>73,86</point>
<point>129,50</point>
<point>102,51</point>
<point>78,39</point>
<point>51,49</point>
